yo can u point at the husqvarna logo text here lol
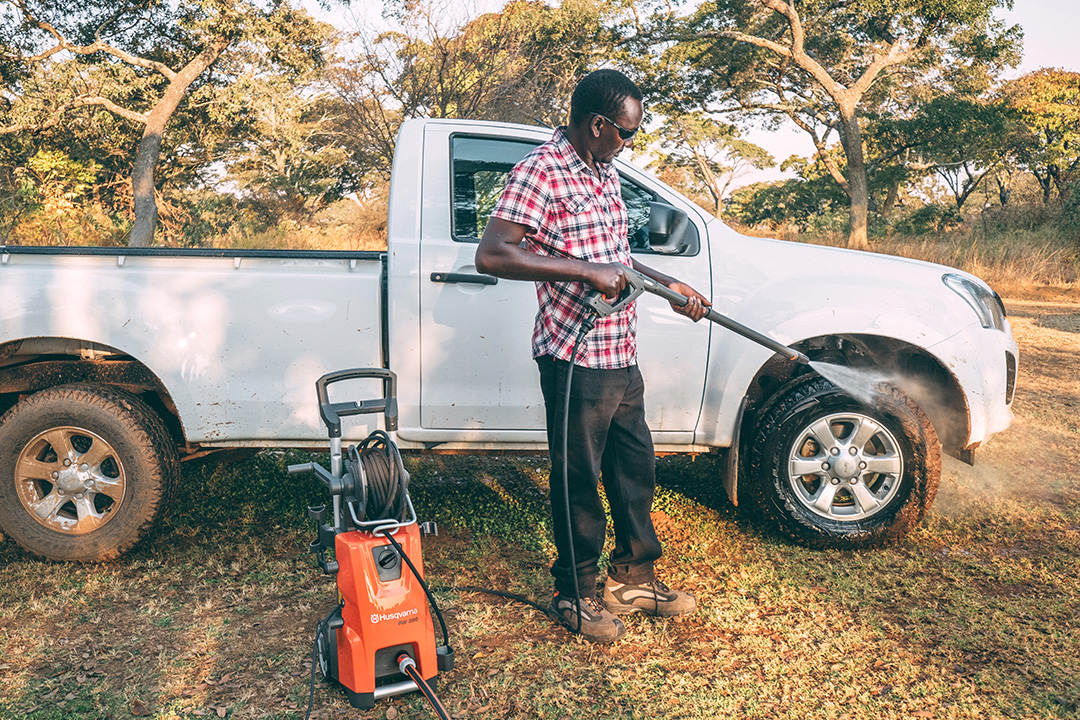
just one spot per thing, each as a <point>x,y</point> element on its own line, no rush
<point>380,617</point>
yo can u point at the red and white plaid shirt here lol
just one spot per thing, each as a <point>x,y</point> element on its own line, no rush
<point>572,213</point>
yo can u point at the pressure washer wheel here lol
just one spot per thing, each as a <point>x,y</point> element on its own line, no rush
<point>831,471</point>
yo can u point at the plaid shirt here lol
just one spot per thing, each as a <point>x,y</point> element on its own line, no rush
<point>572,213</point>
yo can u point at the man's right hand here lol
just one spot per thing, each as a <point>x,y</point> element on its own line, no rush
<point>608,278</point>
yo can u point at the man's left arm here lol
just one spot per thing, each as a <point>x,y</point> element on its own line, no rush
<point>698,305</point>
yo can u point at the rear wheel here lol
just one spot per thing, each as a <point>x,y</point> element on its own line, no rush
<point>85,472</point>
<point>831,471</point>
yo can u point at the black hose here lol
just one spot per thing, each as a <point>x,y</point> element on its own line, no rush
<point>320,629</point>
<point>489,591</point>
<point>586,325</point>
<point>386,476</point>
<point>431,598</point>
<point>408,666</point>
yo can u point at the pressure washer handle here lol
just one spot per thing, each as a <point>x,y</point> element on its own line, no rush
<point>336,485</point>
<point>332,413</point>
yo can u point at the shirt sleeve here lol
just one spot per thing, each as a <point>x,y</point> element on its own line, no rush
<point>526,197</point>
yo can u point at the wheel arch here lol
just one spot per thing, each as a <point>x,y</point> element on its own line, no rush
<point>912,369</point>
<point>30,365</point>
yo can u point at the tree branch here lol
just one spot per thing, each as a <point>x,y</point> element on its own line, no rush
<point>84,101</point>
<point>98,46</point>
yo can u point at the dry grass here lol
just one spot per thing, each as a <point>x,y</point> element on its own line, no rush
<point>1009,257</point>
<point>975,615</point>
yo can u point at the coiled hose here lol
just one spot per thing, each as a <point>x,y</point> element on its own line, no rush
<point>378,460</point>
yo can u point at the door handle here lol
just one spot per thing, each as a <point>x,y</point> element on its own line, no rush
<point>476,279</point>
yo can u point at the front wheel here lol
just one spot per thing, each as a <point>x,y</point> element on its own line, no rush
<point>85,472</point>
<point>834,472</point>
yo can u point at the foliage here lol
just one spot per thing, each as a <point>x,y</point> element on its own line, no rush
<point>516,65</point>
<point>289,157</point>
<point>959,139</point>
<point>101,56</point>
<point>822,64</point>
<point>281,142</point>
<point>809,200</point>
<point>711,153</point>
<point>929,219</point>
<point>1048,145</point>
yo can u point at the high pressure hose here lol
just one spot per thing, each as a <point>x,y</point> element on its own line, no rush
<point>419,578</point>
<point>587,324</point>
<point>378,460</point>
<point>320,632</point>
<point>407,666</point>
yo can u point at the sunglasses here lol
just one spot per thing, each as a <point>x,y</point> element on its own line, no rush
<point>623,132</point>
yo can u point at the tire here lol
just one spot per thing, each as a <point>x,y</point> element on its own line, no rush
<point>85,472</point>
<point>833,472</point>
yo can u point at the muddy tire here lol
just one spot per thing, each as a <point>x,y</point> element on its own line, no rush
<point>85,472</point>
<point>833,472</point>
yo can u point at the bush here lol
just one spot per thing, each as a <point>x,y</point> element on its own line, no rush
<point>1070,214</point>
<point>930,219</point>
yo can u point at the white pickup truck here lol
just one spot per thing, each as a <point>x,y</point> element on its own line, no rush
<point>117,363</point>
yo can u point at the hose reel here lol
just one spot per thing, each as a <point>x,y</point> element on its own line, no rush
<point>378,478</point>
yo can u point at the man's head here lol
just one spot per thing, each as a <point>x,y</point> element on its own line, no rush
<point>606,108</point>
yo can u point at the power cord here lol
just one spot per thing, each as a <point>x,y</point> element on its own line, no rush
<point>320,632</point>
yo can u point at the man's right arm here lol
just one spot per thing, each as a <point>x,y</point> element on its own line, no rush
<point>500,254</point>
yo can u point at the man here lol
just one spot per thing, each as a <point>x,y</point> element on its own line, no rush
<point>561,222</point>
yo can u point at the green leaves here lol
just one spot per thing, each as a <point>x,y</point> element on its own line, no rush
<point>702,156</point>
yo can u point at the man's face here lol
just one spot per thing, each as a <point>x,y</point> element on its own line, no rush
<point>608,143</point>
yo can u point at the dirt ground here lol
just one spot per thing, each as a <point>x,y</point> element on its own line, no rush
<point>973,616</point>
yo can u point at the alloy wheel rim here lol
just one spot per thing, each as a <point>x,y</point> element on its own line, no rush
<point>70,480</point>
<point>845,467</point>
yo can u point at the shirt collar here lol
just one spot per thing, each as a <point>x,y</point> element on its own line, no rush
<point>574,161</point>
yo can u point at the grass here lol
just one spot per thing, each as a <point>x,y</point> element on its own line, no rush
<point>976,614</point>
<point>1009,253</point>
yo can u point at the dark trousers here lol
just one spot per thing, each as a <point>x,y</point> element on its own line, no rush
<point>607,439</point>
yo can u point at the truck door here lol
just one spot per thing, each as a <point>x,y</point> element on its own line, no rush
<point>476,367</point>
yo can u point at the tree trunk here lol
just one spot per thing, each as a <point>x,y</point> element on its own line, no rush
<point>1004,184</point>
<point>851,138</point>
<point>144,171</point>
<point>143,178</point>
<point>891,198</point>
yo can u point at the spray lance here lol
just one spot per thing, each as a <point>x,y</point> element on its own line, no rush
<point>638,283</point>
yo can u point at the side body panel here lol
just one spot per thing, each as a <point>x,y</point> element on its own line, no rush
<point>793,292</point>
<point>238,342</point>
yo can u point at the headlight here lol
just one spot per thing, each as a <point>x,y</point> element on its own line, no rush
<point>985,302</point>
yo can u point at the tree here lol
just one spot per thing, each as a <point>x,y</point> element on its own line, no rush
<point>138,60</point>
<point>962,141</point>
<point>1048,144</point>
<point>516,65</point>
<point>810,200</point>
<point>712,152</point>
<point>822,63</point>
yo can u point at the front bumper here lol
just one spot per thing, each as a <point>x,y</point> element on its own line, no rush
<point>984,362</point>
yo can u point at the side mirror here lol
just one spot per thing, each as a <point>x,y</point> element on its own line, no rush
<point>667,229</point>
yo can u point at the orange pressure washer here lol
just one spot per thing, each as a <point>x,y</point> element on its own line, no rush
<point>379,640</point>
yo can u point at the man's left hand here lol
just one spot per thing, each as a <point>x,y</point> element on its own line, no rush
<point>698,305</point>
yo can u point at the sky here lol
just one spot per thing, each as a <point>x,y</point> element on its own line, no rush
<point>1050,29</point>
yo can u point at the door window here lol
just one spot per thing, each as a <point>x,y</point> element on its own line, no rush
<point>480,166</point>
<point>480,169</point>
